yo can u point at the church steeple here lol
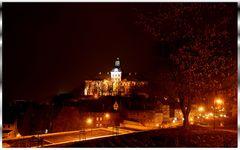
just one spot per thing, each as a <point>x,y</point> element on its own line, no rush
<point>117,63</point>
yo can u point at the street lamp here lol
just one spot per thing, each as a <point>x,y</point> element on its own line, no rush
<point>107,115</point>
<point>201,109</point>
<point>218,102</point>
<point>89,122</point>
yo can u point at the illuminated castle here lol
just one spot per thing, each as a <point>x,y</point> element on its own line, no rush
<point>112,86</point>
<point>116,73</point>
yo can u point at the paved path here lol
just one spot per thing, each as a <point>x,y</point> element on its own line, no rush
<point>61,138</point>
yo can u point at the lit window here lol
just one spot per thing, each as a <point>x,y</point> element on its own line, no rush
<point>100,118</point>
<point>97,118</point>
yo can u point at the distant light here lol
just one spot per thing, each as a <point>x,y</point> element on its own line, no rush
<point>107,115</point>
<point>95,96</point>
<point>157,125</point>
<point>18,135</point>
<point>201,109</point>
<point>89,121</point>
<point>219,101</point>
<point>210,114</point>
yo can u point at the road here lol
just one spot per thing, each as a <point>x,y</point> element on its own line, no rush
<point>61,138</point>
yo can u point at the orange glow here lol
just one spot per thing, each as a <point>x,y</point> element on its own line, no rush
<point>211,114</point>
<point>219,101</point>
<point>95,96</point>
<point>18,135</point>
<point>107,115</point>
<point>201,109</point>
<point>89,121</point>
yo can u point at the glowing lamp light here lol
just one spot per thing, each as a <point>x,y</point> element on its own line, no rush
<point>107,115</point>
<point>18,135</point>
<point>219,101</point>
<point>201,109</point>
<point>211,114</point>
<point>89,121</point>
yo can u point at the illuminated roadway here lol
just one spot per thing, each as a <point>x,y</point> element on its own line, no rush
<point>61,138</point>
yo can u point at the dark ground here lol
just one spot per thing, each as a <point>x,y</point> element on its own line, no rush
<point>178,137</point>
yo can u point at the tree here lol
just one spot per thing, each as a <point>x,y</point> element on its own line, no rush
<point>204,39</point>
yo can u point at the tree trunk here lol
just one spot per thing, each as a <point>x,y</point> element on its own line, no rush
<point>186,119</point>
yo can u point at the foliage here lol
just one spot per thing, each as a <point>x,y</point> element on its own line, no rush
<point>205,42</point>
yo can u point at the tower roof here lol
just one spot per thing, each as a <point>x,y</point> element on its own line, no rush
<point>117,63</point>
<point>116,70</point>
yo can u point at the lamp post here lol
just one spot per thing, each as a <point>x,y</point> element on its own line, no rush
<point>219,102</point>
<point>107,116</point>
<point>115,107</point>
<point>201,109</point>
<point>89,122</point>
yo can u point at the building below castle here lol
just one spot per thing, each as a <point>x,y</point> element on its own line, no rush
<point>113,85</point>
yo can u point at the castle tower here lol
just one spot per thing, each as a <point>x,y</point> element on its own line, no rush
<point>116,73</point>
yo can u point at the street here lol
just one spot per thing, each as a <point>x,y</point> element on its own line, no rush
<point>61,138</point>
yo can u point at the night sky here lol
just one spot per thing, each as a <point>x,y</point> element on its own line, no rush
<point>52,48</point>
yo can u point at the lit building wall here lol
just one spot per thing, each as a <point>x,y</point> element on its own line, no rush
<point>116,75</point>
<point>113,86</point>
<point>109,87</point>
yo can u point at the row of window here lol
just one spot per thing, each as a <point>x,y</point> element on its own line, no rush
<point>98,125</point>
<point>99,118</point>
<point>116,75</point>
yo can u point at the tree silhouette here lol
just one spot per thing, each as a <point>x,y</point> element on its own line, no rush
<point>204,39</point>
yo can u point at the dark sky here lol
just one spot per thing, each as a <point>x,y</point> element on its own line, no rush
<point>52,48</point>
